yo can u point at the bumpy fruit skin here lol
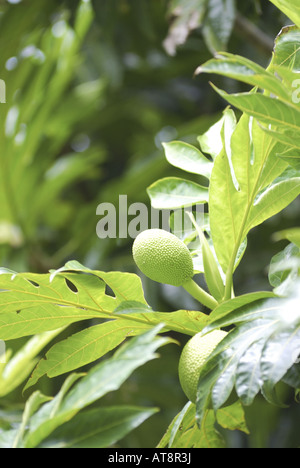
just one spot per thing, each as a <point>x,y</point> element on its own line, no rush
<point>192,359</point>
<point>163,257</point>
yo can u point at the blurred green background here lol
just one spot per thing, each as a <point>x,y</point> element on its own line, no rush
<point>92,90</point>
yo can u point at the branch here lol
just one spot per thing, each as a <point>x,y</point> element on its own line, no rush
<point>248,30</point>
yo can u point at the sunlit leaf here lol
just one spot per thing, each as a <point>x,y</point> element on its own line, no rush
<point>246,166</point>
<point>172,192</point>
<point>291,8</point>
<point>266,109</point>
<point>255,355</point>
<point>187,158</point>
<point>245,70</point>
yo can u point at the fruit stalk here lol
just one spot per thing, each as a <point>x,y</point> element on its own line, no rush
<point>200,295</point>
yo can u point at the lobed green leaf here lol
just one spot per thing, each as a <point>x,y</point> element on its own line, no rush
<point>105,377</point>
<point>258,353</point>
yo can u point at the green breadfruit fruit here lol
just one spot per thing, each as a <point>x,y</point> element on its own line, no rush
<point>192,359</point>
<point>163,257</point>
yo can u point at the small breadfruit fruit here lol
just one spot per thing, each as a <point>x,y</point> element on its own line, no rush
<point>192,359</point>
<point>162,257</point>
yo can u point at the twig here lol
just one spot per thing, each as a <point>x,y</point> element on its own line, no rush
<point>253,34</point>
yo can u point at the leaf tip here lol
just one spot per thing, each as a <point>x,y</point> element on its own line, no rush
<point>198,71</point>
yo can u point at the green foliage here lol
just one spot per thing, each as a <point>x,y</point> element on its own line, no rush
<point>242,167</point>
<point>250,183</point>
<point>260,351</point>
<point>279,80</point>
<point>16,369</point>
<point>291,9</point>
<point>173,192</point>
<point>75,293</point>
<point>184,432</point>
<point>40,419</point>
<point>188,158</point>
<point>37,164</point>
